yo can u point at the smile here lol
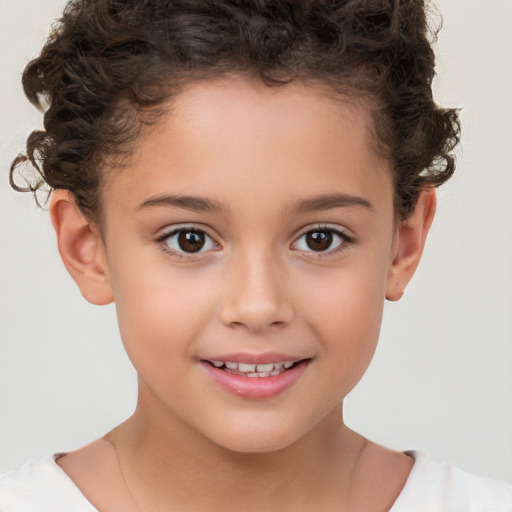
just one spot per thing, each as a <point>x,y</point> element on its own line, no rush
<point>255,377</point>
<point>254,370</point>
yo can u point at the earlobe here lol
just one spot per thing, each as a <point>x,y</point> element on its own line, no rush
<point>81,248</point>
<point>410,241</point>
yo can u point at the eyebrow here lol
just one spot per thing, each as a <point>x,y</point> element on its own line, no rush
<point>204,204</point>
<point>193,203</point>
<point>329,201</point>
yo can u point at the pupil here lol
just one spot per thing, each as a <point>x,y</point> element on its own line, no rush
<point>191,241</point>
<point>319,240</point>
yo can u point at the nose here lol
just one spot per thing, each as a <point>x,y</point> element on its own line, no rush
<point>255,295</point>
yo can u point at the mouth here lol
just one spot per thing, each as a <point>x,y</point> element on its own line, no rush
<point>256,377</point>
<point>262,370</point>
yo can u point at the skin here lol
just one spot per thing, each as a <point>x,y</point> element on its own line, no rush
<point>257,153</point>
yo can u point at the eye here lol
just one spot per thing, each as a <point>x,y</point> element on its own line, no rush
<point>321,240</point>
<point>189,240</point>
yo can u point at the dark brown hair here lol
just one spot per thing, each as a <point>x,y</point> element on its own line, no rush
<point>109,66</point>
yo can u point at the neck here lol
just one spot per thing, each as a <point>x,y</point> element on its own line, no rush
<point>168,466</point>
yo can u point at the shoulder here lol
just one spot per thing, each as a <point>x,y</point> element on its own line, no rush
<point>40,487</point>
<point>446,488</point>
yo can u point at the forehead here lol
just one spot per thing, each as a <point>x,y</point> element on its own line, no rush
<point>236,138</point>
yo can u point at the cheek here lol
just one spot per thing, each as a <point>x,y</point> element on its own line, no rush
<point>160,312</point>
<point>347,299</point>
<point>345,313</point>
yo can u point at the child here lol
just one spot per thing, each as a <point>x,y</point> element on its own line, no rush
<point>247,181</point>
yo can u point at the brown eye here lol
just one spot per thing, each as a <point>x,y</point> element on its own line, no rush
<point>189,241</point>
<point>319,240</point>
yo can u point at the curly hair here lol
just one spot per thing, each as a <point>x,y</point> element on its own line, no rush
<point>109,67</point>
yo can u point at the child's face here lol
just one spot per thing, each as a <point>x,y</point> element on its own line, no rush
<point>291,237</point>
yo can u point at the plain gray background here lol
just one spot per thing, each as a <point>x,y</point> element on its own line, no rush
<point>441,380</point>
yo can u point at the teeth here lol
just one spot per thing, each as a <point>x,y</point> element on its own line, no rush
<point>242,367</point>
<point>254,370</point>
<point>265,367</point>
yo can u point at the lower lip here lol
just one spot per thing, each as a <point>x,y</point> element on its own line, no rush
<point>256,388</point>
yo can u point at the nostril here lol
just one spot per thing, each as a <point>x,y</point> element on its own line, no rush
<point>255,307</point>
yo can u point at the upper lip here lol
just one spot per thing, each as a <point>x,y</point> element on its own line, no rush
<point>248,358</point>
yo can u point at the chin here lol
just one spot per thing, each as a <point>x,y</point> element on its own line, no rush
<point>265,439</point>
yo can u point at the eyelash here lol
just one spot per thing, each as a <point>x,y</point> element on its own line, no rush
<point>344,241</point>
<point>162,240</point>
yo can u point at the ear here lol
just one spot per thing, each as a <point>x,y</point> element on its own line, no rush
<point>409,243</point>
<point>81,248</point>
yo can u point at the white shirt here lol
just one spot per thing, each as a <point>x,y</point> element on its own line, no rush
<point>441,487</point>
<point>431,487</point>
